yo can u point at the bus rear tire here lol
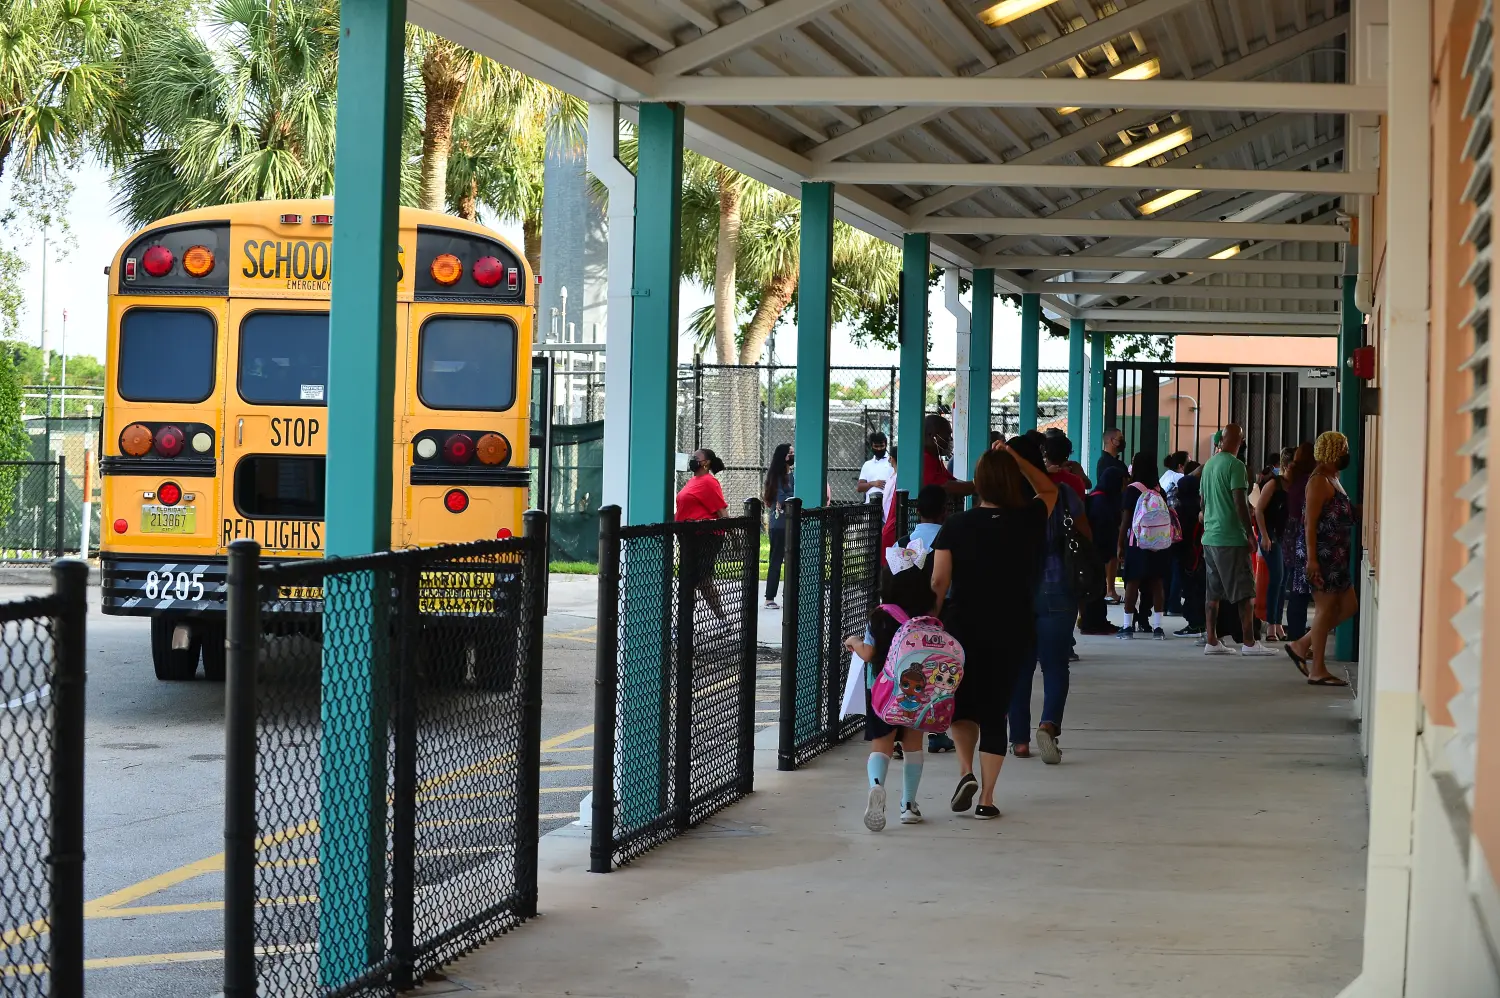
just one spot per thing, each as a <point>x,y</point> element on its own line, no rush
<point>173,665</point>
<point>215,656</point>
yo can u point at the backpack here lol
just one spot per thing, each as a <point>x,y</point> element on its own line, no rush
<point>1153,525</point>
<point>923,667</point>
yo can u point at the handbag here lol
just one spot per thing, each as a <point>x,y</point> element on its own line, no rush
<point>1082,567</point>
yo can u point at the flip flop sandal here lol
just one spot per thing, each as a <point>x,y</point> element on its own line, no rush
<point>1327,681</point>
<point>1297,660</point>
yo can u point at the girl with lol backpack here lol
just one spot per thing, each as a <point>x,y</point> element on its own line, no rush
<point>1148,529</point>
<point>913,689</point>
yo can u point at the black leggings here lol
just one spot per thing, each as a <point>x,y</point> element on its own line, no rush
<point>778,552</point>
<point>983,695</point>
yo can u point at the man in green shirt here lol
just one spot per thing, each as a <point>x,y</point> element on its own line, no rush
<point>1226,543</point>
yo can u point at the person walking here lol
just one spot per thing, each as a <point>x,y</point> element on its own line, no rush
<point>1056,608</point>
<point>991,610</point>
<point>1226,544</point>
<point>702,498</point>
<point>876,474</point>
<point>1323,547</point>
<point>1270,524</point>
<point>1148,556</point>
<point>1296,476</point>
<point>779,487</point>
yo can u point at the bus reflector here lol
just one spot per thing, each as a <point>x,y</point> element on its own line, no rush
<point>157,261</point>
<point>458,448</point>
<point>447,269</point>
<point>493,449</point>
<point>291,219</point>
<point>487,271</point>
<point>169,441</point>
<point>322,220</point>
<point>502,533</point>
<point>198,261</point>
<point>169,493</point>
<point>130,269</point>
<point>136,440</point>
<point>456,501</point>
<point>513,279</point>
<point>121,526</point>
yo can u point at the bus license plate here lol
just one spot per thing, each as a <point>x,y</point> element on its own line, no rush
<point>168,519</point>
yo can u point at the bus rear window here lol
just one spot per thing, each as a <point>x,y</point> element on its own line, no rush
<point>166,355</point>
<point>280,488</point>
<point>468,363</point>
<point>284,358</point>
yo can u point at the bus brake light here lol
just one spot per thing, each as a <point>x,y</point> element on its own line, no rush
<point>487,271</point>
<point>169,440</point>
<point>458,448</point>
<point>157,261</point>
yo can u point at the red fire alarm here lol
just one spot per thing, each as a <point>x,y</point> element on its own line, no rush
<point>1363,362</point>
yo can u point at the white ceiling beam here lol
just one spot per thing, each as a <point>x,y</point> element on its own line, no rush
<point>1160,265</point>
<point>1033,61</point>
<point>1211,328</point>
<point>975,91</point>
<point>1127,177</point>
<point>1139,228</point>
<point>1151,292</point>
<point>737,35</point>
<point>1213,315</point>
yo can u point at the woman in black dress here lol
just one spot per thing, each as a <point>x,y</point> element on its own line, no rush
<point>991,557</point>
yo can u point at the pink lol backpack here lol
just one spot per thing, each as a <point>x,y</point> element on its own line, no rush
<point>924,666</point>
<point>1153,527</point>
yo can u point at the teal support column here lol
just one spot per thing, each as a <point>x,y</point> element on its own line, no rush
<point>912,404</point>
<point>814,341</point>
<point>653,342</point>
<point>361,398</point>
<point>981,364</point>
<point>1098,344</point>
<point>1031,345</point>
<point>1351,425</point>
<point>1076,338</point>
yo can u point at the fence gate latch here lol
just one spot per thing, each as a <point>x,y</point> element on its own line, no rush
<point>640,292</point>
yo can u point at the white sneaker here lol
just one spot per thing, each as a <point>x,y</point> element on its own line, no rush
<point>1257,650</point>
<point>1220,649</point>
<point>875,809</point>
<point>911,814</point>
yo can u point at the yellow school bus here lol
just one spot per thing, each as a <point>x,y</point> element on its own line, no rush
<point>215,419</point>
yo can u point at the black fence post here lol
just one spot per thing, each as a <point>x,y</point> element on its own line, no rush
<point>834,654</point>
<point>60,511</point>
<point>786,749</point>
<point>902,512</point>
<point>242,650</point>
<point>750,650</point>
<point>65,915</point>
<point>408,580</point>
<point>529,788</point>
<point>690,543</point>
<point>606,692</point>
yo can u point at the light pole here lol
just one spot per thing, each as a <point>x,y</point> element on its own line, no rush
<point>1194,410</point>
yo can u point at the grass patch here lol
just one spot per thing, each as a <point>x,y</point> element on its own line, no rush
<point>573,568</point>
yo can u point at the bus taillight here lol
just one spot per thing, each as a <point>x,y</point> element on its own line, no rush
<point>157,261</point>
<point>169,493</point>
<point>456,501</point>
<point>458,448</point>
<point>487,272</point>
<point>169,441</point>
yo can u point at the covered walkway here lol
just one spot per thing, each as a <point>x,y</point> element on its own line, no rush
<point>1205,835</point>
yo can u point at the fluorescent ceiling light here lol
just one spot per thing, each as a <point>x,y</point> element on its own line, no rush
<point>1007,11</point>
<point>1138,154</point>
<point>1144,70</point>
<point>1225,254</point>
<point>1166,200</point>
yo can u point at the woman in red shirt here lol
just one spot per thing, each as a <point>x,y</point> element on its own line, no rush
<point>702,498</point>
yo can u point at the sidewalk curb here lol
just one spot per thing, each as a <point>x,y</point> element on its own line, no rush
<point>36,575</point>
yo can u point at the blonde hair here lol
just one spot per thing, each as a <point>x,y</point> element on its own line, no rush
<point>1331,446</point>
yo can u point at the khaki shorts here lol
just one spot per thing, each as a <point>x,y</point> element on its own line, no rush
<point>1229,578</point>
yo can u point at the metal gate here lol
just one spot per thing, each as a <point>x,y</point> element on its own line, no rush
<point>1179,407</point>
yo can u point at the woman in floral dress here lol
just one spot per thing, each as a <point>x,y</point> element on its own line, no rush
<point>1323,553</point>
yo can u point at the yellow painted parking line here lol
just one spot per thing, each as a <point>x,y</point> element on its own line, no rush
<point>577,635</point>
<point>564,769</point>
<point>149,960</point>
<point>552,744</point>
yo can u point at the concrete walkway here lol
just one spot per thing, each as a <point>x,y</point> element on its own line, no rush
<point>1204,836</point>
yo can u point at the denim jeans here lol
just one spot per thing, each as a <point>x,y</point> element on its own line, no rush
<point>1275,582</point>
<point>1054,640</point>
<point>1296,614</point>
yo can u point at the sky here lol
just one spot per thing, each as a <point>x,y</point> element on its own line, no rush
<point>75,283</point>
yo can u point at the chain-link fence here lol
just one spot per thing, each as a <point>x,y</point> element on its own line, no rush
<point>41,811</point>
<point>383,762</point>
<point>833,580</point>
<point>33,521</point>
<point>674,709</point>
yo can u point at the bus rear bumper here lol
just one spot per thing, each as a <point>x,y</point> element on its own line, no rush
<point>136,586</point>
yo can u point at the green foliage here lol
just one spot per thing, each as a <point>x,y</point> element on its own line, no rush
<point>858,391</point>
<point>783,394</point>
<point>26,361</point>
<point>15,443</point>
<point>1140,346</point>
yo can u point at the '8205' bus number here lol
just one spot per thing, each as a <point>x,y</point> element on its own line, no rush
<point>181,585</point>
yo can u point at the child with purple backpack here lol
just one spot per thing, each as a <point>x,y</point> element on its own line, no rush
<point>906,583</point>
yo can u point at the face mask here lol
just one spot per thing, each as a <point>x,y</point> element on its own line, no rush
<point>879,453</point>
<point>791,459</point>
<point>1343,462</point>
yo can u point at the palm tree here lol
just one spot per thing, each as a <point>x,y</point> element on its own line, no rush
<point>246,116</point>
<point>62,75</point>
